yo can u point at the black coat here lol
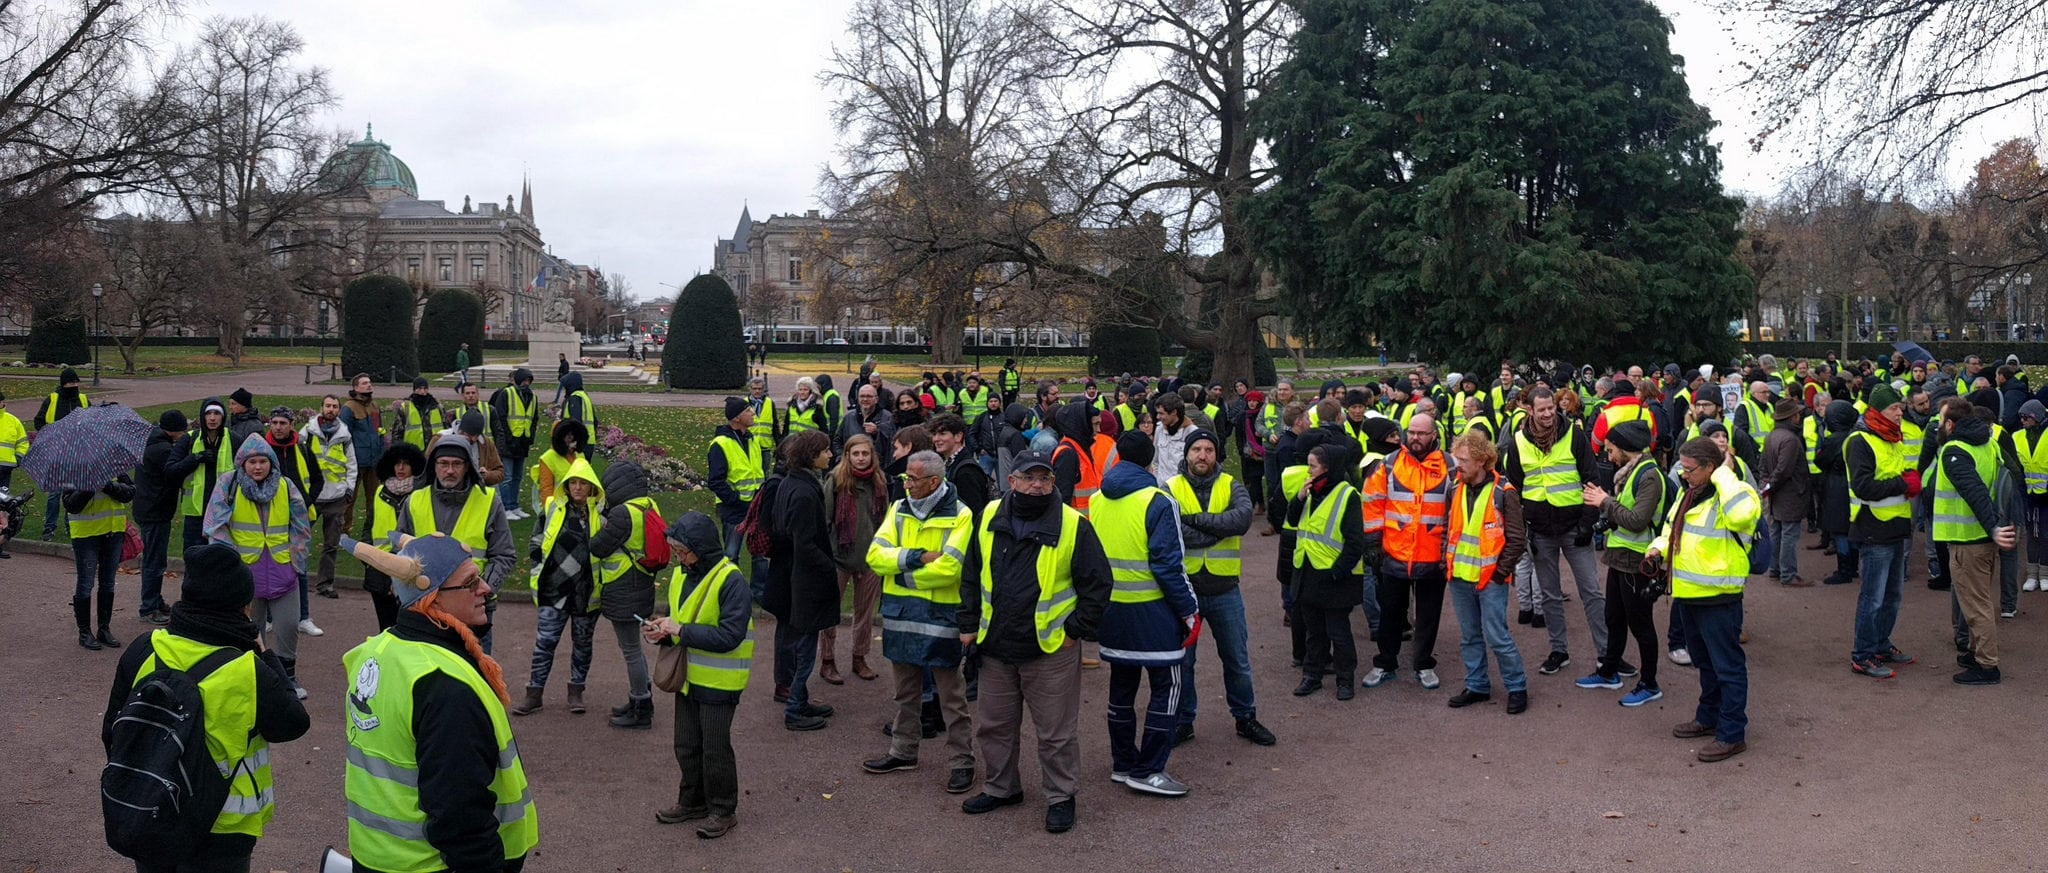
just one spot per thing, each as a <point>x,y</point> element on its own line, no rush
<point>633,592</point>
<point>803,581</point>
<point>159,478</point>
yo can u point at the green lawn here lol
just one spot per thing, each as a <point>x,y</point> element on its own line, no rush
<point>175,360</point>
<point>685,433</point>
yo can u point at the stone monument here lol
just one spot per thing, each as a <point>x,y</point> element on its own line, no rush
<point>554,336</point>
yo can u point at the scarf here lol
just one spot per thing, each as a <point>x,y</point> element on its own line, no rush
<point>1320,486</point>
<point>1685,505</point>
<point>921,509</point>
<point>261,492</point>
<point>1881,427</point>
<point>845,522</point>
<point>399,487</point>
<point>1544,437</point>
<point>214,627</point>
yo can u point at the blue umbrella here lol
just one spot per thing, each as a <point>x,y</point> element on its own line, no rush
<point>1913,352</point>
<point>85,449</point>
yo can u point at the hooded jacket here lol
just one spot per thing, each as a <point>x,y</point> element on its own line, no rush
<point>1070,420</point>
<point>288,454</point>
<point>201,460</point>
<point>565,430</point>
<point>68,399</point>
<point>158,479</point>
<point>1131,629</point>
<point>1016,420</point>
<point>572,406</point>
<point>833,404</point>
<point>1834,485</point>
<point>699,534</point>
<point>330,489</point>
<point>501,411</point>
<point>565,573</point>
<point>220,507</point>
<point>499,553</point>
<point>632,593</point>
<point>1860,459</point>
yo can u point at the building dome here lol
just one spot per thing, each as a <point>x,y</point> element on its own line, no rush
<point>369,164</point>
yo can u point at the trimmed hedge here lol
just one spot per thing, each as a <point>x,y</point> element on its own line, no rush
<point>706,347</point>
<point>452,317</point>
<point>58,336</point>
<point>377,330</point>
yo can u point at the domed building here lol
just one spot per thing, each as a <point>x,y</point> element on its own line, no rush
<point>375,213</point>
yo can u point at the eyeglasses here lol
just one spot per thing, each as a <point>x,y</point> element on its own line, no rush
<point>1687,471</point>
<point>473,583</point>
<point>906,477</point>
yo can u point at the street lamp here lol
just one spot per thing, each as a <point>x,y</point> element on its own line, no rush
<point>97,292</point>
<point>846,319</point>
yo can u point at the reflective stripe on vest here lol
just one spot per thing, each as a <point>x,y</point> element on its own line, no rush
<point>901,535</point>
<point>719,671</point>
<point>1479,535</point>
<point>588,410</point>
<point>418,425</point>
<point>1953,520</point>
<point>1090,483</point>
<point>1810,430</point>
<point>268,530</point>
<point>387,830</point>
<point>973,404</point>
<point>472,527</point>
<point>383,519</point>
<point>1550,477</point>
<point>1120,524</point>
<point>101,516</point>
<point>613,567</point>
<point>1225,558</point>
<point>1623,538</point>
<point>1891,464</point>
<point>1319,540</point>
<point>743,466</point>
<point>332,457</point>
<point>2033,459</point>
<point>1056,597</point>
<point>553,516</point>
<point>1712,560</point>
<point>522,416</point>
<point>228,696</point>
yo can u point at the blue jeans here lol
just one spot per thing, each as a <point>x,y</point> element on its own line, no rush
<point>96,559</point>
<point>1483,625</point>
<point>1224,615</point>
<point>156,543</point>
<point>1371,577</point>
<point>1714,636</point>
<point>53,509</point>
<point>800,653</point>
<point>515,479</point>
<point>1877,607</point>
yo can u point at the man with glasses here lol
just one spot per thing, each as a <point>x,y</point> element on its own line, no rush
<point>1043,585</point>
<point>1406,509</point>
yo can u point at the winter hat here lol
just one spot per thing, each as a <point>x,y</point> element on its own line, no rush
<point>2035,409</point>
<point>472,423</point>
<point>216,578</point>
<point>1624,388</point>
<point>1630,436</point>
<point>1255,396</point>
<point>927,401</point>
<point>733,407</point>
<point>419,382</point>
<point>421,565</point>
<point>172,421</point>
<point>1200,434</point>
<point>243,397</point>
<point>284,412</point>
<point>1712,426</point>
<point>1355,397</point>
<point>1986,398</point>
<point>68,377</point>
<point>1135,447</point>
<point>522,376</point>
<point>1382,433</point>
<point>1882,397</point>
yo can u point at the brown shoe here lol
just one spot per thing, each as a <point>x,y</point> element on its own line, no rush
<point>1798,582</point>
<point>1720,751</point>
<point>1090,663</point>
<point>678,814</point>
<point>1692,730</point>
<point>861,669</point>
<point>716,826</point>
<point>829,672</point>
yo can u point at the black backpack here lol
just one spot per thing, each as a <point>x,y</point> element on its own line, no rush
<point>161,791</point>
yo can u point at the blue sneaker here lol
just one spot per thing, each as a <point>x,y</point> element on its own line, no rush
<point>1598,681</point>
<point>1641,695</point>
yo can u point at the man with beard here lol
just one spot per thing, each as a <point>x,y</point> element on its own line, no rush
<point>1406,502</point>
<point>1549,460</point>
<point>870,417</point>
<point>416,418</point>
<point>1215,513</point>
<point>459,505</point>
<point>365,423</point>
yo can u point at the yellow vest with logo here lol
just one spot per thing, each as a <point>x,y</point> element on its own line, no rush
<point>1120,523</point>
<point>901,533</point>
<point>1225,558</point>
<point>1056,596</point>
<point>719,671</point>
<point>387,830</point>
<point>268,530</point>
<point>1891,464</point>
<point>229,697</point>
<point>472,527</point>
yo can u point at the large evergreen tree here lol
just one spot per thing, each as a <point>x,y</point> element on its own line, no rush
<point>705,347</point>
<point>452,317</point>
<point>1478,179</point>
<point>376,329</point>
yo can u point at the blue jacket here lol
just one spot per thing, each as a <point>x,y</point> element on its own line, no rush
<point>1151,633</point>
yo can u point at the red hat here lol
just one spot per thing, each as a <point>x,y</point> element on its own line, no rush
<point>1255,396</point>
<point>927,401</point>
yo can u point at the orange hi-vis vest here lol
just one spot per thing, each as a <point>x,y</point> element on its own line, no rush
<point>1407,501</point>
<point>1478,532</point>
<point>1091,474</point>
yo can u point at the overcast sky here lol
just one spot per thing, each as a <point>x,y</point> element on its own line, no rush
<point>646,125</point>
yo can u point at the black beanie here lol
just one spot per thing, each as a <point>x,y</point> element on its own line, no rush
<point>1134,446</point>
<point>419,382</point>
<point>733,407</point>
<point>216,578</point>
<point>1630,436</point>
<point>172,421</point>
<point>245,398</point>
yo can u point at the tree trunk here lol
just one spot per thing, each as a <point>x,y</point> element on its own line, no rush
<point>129,346</point>
<point>944,330</point>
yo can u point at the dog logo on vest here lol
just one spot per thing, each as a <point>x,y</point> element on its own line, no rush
<point>359,699</point>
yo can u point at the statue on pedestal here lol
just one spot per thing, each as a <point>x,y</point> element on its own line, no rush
<point>559,313</point>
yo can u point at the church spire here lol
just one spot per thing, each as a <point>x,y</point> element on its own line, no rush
<point>526,198</point>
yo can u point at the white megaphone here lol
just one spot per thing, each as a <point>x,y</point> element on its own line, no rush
<point>332,861</point>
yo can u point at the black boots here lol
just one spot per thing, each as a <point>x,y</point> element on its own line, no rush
<point>81,607</point>
<point>932,719</point>
<point>639,715</point>
<point>106,614</point>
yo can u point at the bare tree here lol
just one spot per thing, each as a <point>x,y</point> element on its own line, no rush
<point>156,269</point>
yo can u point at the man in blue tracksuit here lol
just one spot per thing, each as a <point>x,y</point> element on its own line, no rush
<point>1152,609</point>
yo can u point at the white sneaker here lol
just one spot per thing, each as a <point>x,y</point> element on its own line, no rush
<point>516,514</point>
<point>307,627</point>
<point>1681,657</point>
<point>2030,585</point>
<point>1428,679</point>
<point>299,690</point>
<point>1158,783</point>
<point>1376,677</point>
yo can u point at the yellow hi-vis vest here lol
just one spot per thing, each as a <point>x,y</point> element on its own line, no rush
<point>1225,558</point>
<point>1623,538</point>
<point>613,567</point>
<point>764,427</point>
<point>387,830</point>
<point>2033,459</point>
<point>1915,437</point>
<point>229,697</point>
<point>1292,478</point>
<point>1319,540</point>
<point>973,404</point>
<point>1120,523</point>
<point>898,540</point>
<point>383,520</point>
<point>331,455</point>
<point>1953,520</point>
<point>809,418</point>
<point>472,527</point>
<point>587,411</point>
<point>1713,555</point>
<point>1810,430</point>
<point>718,671</point>
<point>102,515</point>
<point>419,426</point>
<point>522,416</point>
<point>256,532</point>
<point>1891,464</point>
<point>1550,477</point>
<point>13,439</point>
<point>744,467</point>
<point>1478,535</point>
<point>1056,596</point>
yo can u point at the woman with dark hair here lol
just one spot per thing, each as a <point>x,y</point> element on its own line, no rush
<point>1325,570</point>
<point>1704,544</point>
<point>803,589</point>
<point>399,471</point>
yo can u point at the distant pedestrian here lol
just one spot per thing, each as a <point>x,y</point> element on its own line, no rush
<point>561,375</point>
<point>60,403</point>
<point>462,361</point>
